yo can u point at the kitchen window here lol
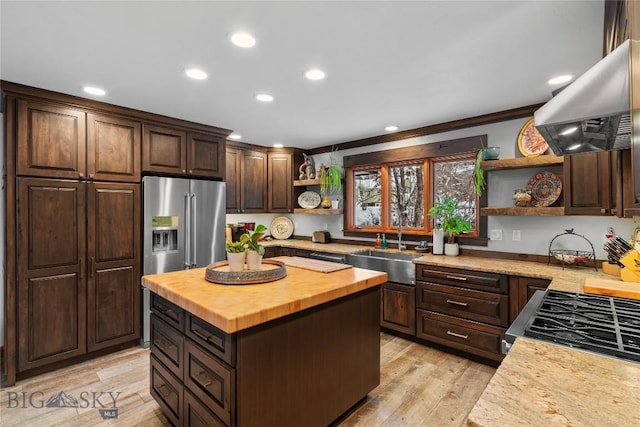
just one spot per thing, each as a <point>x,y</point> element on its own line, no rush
<point>380,195</point>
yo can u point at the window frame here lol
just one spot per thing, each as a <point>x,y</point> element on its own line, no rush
<point>427,154</point>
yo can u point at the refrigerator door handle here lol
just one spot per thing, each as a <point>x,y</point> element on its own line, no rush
<point>194,228</point>
<point>187,232</point>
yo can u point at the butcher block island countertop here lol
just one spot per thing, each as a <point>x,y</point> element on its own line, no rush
<point>235,307</point>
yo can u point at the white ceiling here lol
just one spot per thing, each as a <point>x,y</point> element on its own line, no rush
<point>410,64</point>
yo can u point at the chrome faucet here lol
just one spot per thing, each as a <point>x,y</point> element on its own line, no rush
<point>400,245</point>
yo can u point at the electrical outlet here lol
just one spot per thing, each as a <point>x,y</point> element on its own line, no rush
<point>495,234</point>
<point>516,235</point>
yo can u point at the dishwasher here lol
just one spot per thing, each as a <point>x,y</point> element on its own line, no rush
<point>323,256</point>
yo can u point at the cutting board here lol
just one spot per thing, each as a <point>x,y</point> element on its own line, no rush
<point>312,264</point>
<point>613,288</point>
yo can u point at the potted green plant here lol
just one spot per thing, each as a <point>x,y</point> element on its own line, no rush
<point>330,180</point>
<point>255,250</point>
<point>478,174</point>
<point>445,212</point>
<point>235,255</point>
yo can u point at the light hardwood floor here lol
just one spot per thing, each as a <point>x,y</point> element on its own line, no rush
<point>419,386</point>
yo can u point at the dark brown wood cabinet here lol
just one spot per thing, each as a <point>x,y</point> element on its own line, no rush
<point>113,230</point>
<point>397,307</point>
<point>521,289</point>
<point>281,172</point>
<point>51,140</point>
<point>462,309</point>
<point>51,291</point>
<point>113,148</point>
<point>587,184</point>
<point>177,151</point>
<point>246,180</point>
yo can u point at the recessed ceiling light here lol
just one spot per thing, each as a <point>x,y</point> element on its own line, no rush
<point>264,97</point>
<point>315,74</point>
<point>235,136</point>
<point>391,128</point>
<point>94,90</point>
<point>278,145</point>
<point>242,39</point>
<point>560,79</point>
<point>196,73</point>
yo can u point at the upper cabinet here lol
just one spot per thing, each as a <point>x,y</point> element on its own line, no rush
<point>587,184</point>
<point>177,151</point>
<point>51,140</point>
<point>246,180</point>
<point>282,167</point>
<point>61,142</point>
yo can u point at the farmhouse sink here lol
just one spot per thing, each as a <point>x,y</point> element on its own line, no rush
<point>398,266</point>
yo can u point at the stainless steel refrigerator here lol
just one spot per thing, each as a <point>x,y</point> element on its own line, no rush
<point>184,227</point>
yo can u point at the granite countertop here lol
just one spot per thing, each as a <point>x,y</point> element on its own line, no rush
<point>543,384</point>
<point>235,307</point>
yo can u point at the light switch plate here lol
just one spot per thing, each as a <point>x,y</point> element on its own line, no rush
<point>516,235</point>
<point>495,234</point>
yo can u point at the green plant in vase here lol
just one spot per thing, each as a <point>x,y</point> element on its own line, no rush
<point>235,255</point>
<point>445,212</point>
<point>255,250</point>
<point>330,180</point>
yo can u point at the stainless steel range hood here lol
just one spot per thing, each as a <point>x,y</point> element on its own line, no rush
<point>592,113</point>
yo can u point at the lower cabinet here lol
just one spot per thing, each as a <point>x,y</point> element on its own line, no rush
<point>462,309</point>
<point>397,307</point>
<point>521,289</point>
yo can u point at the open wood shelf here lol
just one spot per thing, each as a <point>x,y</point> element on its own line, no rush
<point>522,162</point>
<point>318,211</point>
<point>516,211</point>
<point>303,182</point>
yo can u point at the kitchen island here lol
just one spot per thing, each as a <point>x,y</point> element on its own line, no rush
<point>301,350</point>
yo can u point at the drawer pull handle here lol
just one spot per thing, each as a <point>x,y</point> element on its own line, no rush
<point>205,379</point>
<point>461,278</point>
<point>165,310</point>
<point>164,344</point>
<point>463,304</point>
<point>161,389</point>
<point>201,333</point>
<point>457,335</point>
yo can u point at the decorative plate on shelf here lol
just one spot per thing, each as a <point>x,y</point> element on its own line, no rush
<point>281,228</point>
<point>545,188</point>
<point>530,142</point>
<point>309,200</point>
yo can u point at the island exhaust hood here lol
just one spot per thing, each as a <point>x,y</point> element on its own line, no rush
<point>592,113</point>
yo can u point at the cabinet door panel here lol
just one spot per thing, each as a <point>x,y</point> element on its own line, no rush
<point>233,179</point>
<point>587,184</point>
<point>113,218</point>
<point>206,156</point>
<point>51,140</point>
<point>113,149</point>
<point>164,150</point>
<point>51,287</point>
<point>398,308</point>
<point>254,182</point>
<point>280,188</point>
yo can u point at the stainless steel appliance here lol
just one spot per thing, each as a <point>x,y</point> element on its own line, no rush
<point>184,227</point>
<point>592,113</point>
<point>323,256</point>
<point>594,323</point>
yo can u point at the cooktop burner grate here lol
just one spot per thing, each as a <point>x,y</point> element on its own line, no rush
<point>595,323</point>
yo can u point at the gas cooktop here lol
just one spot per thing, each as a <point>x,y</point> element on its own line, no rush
<point>600,324</point>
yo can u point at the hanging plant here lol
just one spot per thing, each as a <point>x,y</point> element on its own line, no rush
<point>331,176</point>
<point>479,182</point>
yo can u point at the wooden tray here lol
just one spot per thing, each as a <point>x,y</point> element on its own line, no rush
<point>219,273</point>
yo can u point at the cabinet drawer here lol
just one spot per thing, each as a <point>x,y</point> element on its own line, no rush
<point>212,339</point>
<point>167,390</point>
<point>167,311</point>
<point>471,337</point>
<point>198,415</point>
<point>490,282</point>
<point>211,381</point>
<point>167,345</point>
<point>473,305</point>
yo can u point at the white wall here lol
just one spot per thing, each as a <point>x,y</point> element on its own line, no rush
<point>536,232</point>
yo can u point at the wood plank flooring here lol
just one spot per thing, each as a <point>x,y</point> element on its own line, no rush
<point>419,386</point>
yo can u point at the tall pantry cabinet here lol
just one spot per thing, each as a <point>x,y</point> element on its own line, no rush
<point>76,279</point>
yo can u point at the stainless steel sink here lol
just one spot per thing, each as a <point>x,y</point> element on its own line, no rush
<point>398,266</point>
